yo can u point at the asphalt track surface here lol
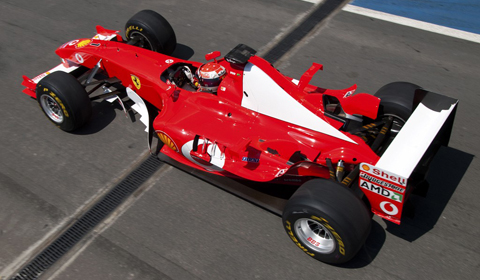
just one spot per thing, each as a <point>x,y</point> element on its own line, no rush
<point>179,227</point>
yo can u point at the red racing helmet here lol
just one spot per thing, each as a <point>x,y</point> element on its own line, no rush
<point>210,75</point>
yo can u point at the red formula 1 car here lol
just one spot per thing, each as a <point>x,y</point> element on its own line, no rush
<point>353,154</point>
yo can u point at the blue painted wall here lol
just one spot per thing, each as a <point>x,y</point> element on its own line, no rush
<point>459,14</point>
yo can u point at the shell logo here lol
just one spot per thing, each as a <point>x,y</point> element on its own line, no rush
<point>167,140</point>
<point>83,43</point>
<point>365,167</point>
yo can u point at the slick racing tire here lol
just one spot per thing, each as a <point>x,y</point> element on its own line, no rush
<point>151,31</point>
<point>64,101</point>
<point>396,99</point>
<point>396,102</point>
<point>327,221</point>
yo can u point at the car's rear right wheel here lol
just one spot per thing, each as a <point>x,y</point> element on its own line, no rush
<point>396,102</point>
<point>327,221</point>
<point>149,30</point>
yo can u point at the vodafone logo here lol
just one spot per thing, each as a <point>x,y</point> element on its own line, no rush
<point>79,58</point>
<point>389,208</point>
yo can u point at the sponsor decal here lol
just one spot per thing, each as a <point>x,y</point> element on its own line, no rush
<point>324,222</point>
<point>79,58</point>
<point>292,180</point>
<point>281,172</point>
<point>169,61</point>
<point>136,81</point>
<point>95,44</point>
<point>380,182</point>
<point>223,88</point>
<point>383,175</point>
<point>167,140</point>
<point>389,208</point>
<point>41,76</point>
<point>349,93</point>
<point>288,226</point>
<point>72,43</point>
<point>388,190</point>
<point>131,28</point>
<point>247,159</point>
<point>381,191</point>
<point>83,43</point>
<point>54,96</point>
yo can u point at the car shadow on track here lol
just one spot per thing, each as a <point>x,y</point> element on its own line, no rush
<point>103,113</point>
<point>370,249</point>
<point>445,173</point>
<point>273,198</point>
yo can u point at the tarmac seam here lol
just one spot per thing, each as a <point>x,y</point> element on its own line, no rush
<point>75,252</point>
<point>277,51</point>
<point>300,32</point>
<point>89,218</point>
<point>34,249</point>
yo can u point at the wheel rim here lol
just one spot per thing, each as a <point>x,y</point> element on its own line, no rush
<point>143,41</point>
<point>397,123</point>
<point>51,108</point>
<point>315,235</point>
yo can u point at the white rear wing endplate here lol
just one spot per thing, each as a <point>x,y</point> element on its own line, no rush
<point>433,115</point>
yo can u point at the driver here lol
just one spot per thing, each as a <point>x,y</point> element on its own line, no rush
<point>209,76</point>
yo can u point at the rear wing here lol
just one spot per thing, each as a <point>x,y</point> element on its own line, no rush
<point>387,183</point>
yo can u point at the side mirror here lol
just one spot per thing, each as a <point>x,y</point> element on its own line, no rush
<point>212,55</point>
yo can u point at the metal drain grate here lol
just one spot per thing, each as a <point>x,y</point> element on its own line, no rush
<point>89,220</point>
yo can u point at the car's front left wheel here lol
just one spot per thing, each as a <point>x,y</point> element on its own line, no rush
<point>64,101</point>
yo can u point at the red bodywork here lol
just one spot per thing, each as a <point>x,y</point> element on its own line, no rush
<point>220,133</point>
<point>246,143</point>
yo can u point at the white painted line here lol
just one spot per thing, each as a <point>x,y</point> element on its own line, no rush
<point>455,33</point>
<point>414,23</point>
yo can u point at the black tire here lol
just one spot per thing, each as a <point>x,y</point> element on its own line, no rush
<point>64,101</point>
<point>327,221</point>
<point>397,99</point>
<point>152,31</point>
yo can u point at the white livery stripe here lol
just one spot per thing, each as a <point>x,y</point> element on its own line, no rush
<point>265,96</point>
<point>59,67</point>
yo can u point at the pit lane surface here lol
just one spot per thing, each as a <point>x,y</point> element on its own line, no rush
<point>182,228</point>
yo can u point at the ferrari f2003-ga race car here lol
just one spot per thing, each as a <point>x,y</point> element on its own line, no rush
<point>351,154</point>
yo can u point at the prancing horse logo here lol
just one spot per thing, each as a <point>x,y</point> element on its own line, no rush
<point>136,81</point>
